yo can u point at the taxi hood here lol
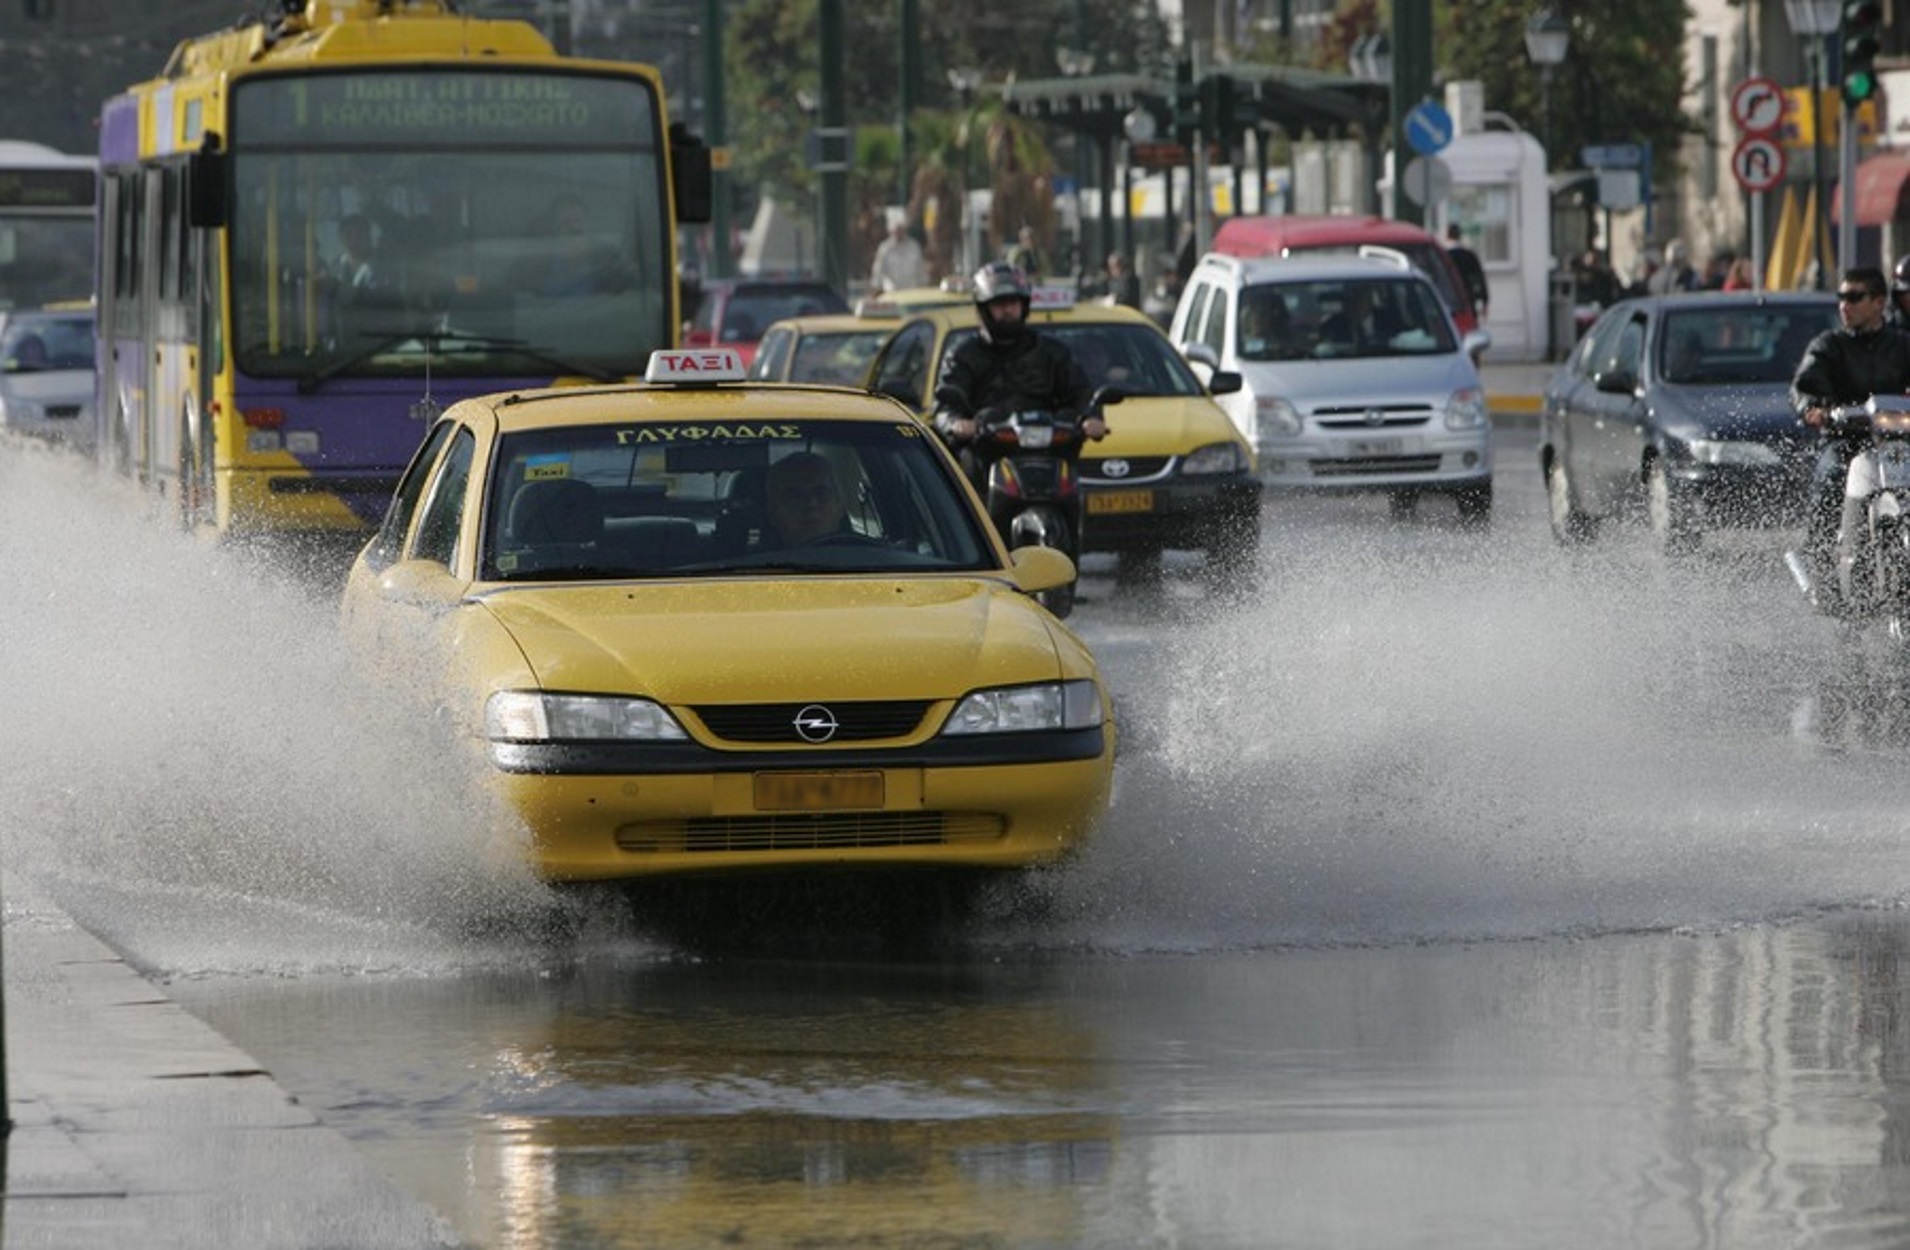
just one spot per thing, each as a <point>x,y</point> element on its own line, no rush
<point>1161,425</point>
<point>768,640</point>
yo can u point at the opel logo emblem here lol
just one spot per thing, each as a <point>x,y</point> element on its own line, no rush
<point>816,723</point>
<point>1375,417</point>
<point>1115,468</point>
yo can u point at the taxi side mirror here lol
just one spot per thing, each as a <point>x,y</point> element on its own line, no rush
<point>422,584</point>
<point>1041,568</point>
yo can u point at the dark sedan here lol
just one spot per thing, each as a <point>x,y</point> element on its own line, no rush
<point>1675,408</point>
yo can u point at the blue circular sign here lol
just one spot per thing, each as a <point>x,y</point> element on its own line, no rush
<point>1428,127</point>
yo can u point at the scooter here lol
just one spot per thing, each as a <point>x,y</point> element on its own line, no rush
<point>1034,495</point>
<point>1875,571</point>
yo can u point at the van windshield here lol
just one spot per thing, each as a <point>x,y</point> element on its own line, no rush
<point>1428,258</point>
<point>1339,318</point>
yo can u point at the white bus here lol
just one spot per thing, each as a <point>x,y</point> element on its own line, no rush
<point>47,211</point>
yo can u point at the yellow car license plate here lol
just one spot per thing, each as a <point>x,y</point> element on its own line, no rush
<point>817,792</point>
<point>1121,501</point>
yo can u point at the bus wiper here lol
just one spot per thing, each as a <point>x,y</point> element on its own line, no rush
<point>434,341</point>
<point>379,342</point>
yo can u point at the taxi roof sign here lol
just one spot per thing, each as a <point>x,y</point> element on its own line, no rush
<point>701,366</point>
<point>1050,298</point>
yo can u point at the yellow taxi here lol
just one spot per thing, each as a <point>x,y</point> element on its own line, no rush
<point>833,349</point>
<point>700,625</point>
<point>1173,472</point>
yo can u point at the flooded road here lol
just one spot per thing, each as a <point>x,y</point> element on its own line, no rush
<point>1457,891</point>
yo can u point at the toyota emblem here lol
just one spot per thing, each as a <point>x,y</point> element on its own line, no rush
<point>816,723</point>
<point>1116,468</point>
<point>1375,417</point>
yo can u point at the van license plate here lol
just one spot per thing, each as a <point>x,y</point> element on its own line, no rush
<point>817,792</point>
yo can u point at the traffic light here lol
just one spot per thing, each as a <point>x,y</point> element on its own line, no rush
<point>1863,29</point>
<point>1186,103</point>
<point>1217,107</point>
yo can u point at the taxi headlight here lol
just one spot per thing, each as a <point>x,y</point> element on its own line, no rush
<point>1215,458</point>
<point>1024,709</point>
<point>1728,452</point>
<point>535,716</point>
<point>1278,418</point>
<point>1466,409</point>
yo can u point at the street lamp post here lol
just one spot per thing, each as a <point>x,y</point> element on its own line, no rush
<point>1813,21</point>
<point>1548,37</point>
<point>966,82</point>
<point>1077,63</point>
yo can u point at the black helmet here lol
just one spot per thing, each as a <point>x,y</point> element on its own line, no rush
<point>1000,280</point>
<point>1901,282</point>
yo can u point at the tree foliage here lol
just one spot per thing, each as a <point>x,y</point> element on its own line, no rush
<point>1622,80</point>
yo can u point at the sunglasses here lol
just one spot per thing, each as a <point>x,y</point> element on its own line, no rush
<point>1851,297</point>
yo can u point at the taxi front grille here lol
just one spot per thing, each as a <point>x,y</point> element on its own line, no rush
<point>825,831</point>
<point>1139,468</point>
<point>776,722</point>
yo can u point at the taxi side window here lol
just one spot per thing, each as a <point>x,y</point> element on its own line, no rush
<point>437,538</point>
<point>905,364</point>
<point>404,502</point>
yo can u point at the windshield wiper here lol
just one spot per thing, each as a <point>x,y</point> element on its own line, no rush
<point>434,341</point>
<point>379,342</point>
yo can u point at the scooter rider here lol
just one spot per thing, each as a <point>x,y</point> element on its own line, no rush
<point>1863,356</point>
<point>1008,366</point>
<point>1900,292</point>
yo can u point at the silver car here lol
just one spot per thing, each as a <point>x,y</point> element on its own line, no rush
<point>1356,377</point>
<point>46,375</point>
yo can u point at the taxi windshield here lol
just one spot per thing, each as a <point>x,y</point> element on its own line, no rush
<point>387,225</point>
<point>770,497</point>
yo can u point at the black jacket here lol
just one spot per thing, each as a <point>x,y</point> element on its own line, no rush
<point>1032,371</point>
<point>1843,367</point>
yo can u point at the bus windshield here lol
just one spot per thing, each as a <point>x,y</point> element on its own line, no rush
<point>462,222</point>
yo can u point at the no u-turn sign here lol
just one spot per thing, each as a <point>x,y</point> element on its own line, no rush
<point>1757,163</point>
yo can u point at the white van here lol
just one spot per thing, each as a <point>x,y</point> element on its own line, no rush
<point>1356,377</point>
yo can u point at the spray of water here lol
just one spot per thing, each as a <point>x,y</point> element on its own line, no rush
<point>1439,737</point>
<point>1450,738</point>
<point>199,764</point>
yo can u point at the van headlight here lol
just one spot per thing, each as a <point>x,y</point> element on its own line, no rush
<point>1027,709</point>
<point>1277,418</point>
<point>1466,409</point>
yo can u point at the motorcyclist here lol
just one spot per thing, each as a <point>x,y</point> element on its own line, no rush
<point>1900,292</point>
<point>1863,356</point>
<point>1008,367</point>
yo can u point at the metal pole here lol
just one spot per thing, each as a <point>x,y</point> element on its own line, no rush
<point>716,132</point>
<point>834,247</point>
<point>1847,187</point>
<point>1819,234</point>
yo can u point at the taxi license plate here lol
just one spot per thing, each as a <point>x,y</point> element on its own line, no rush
<point>1379,446</point>
<point>817,792</point>
<point>1121,501</point>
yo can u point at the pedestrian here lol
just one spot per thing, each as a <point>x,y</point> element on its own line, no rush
<point>1123,286</point>
<point>1026,255</point>
<point>899,263</point>
<point>1675,275</point>
<point>1471,272</point>
<point>1739,276</point>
